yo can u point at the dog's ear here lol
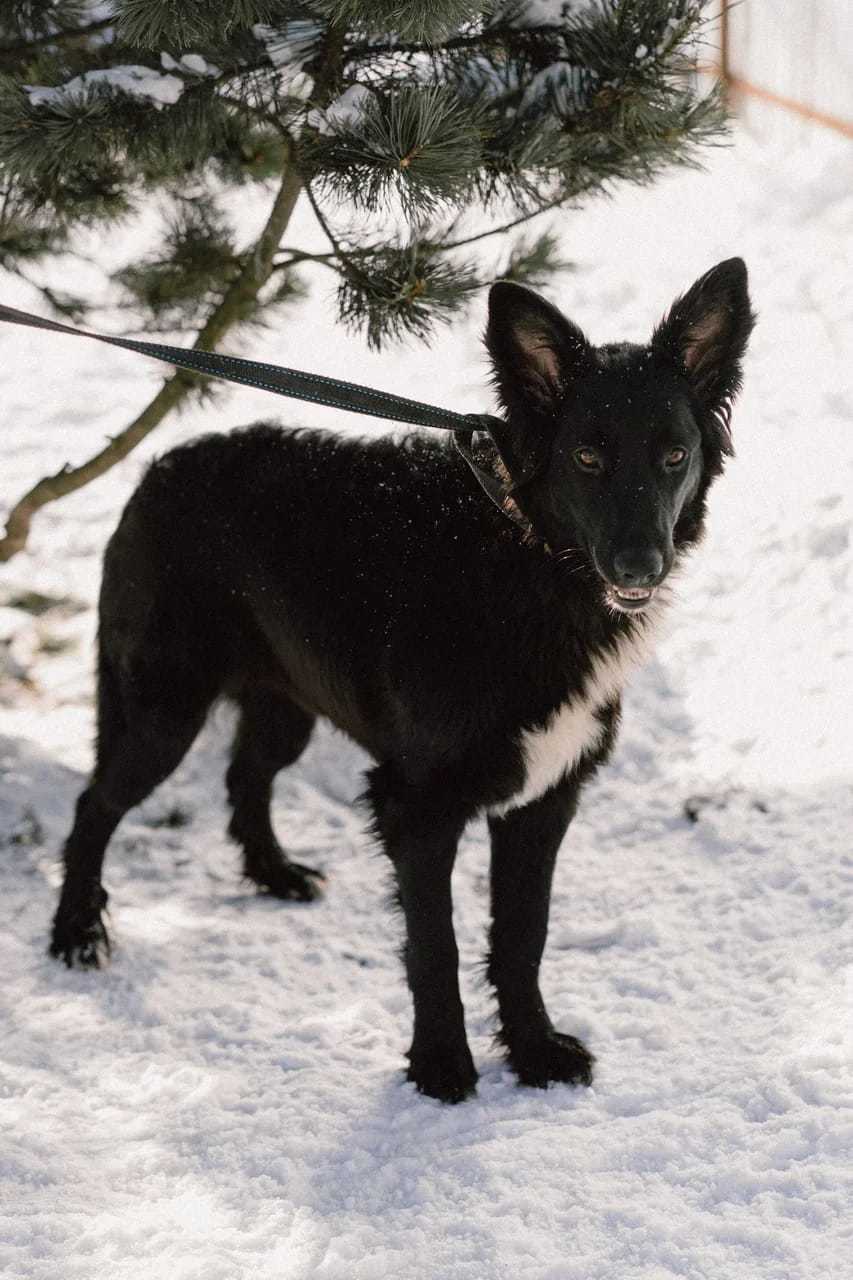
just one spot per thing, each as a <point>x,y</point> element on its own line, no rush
<point>705,335</point>
<point>535,350</point>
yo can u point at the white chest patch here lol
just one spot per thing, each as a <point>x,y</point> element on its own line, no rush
<point>574,728</point>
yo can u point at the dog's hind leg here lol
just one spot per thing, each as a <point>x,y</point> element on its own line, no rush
<point>272,733</point>
<point>146,723</point>
<point>524,849</point>
<point>419,832</point>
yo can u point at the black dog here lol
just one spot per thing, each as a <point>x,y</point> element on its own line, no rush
<point>478,662</point>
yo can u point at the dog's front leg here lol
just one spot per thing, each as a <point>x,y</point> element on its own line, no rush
<point>420,838</point>
<point>524,849</point>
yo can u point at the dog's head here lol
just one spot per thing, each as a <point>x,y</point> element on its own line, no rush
<point>622,441</point>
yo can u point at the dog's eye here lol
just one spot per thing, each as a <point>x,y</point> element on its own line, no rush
<point>675,457</point>
<point>588,460</point>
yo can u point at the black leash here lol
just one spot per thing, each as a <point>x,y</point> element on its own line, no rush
<point>321,390</point>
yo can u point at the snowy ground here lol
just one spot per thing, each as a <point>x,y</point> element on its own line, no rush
<point>226,1100</point>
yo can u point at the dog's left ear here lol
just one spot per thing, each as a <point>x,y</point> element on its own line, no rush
<point>535,350</point>
<point>536,355</point>
<point>705,334</point>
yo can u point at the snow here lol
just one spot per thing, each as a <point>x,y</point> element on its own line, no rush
<point>140,82</point>
<point>345,112</point>
<point>226,1099</point>
<point>191,63</point>
<point>160,88</point>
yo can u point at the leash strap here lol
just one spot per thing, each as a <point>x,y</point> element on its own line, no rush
<point>309,386</point>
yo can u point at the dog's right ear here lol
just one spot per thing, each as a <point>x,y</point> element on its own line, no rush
<point>705,336</point>
<point>536,352</point>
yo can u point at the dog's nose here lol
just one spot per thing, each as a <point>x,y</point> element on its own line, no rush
<point>637,567</point>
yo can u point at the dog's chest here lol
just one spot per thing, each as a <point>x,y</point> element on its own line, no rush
<point>575,728</point>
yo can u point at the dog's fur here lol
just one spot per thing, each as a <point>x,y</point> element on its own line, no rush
<point>303,575</point>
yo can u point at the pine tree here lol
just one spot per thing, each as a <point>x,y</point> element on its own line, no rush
<point>399,117</point>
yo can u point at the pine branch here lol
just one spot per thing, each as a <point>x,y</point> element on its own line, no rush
<point>548,207</point>
<point>403,290</point>
<point>534,262</point>
<point>182,280</point>
<point>322,220</point>
<point>257,113</point>
<point>419,144</point>
<point>189,23</point>
<point>66,305</point>
<point>478,40</point>
<point>432,22</point>
<point>321,259</point>
<point>60,36</point>
<point>303,255</point>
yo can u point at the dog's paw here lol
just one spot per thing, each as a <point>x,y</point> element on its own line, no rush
<point>81,941</point>
<point>288,880</point>
<point>446,1074</point>
<point>79,936</point>
<point>549,1057</point>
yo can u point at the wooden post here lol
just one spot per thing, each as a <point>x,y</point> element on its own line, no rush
<point>725,71</point>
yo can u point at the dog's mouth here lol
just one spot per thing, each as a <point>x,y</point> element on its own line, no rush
<point>628,599</point>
